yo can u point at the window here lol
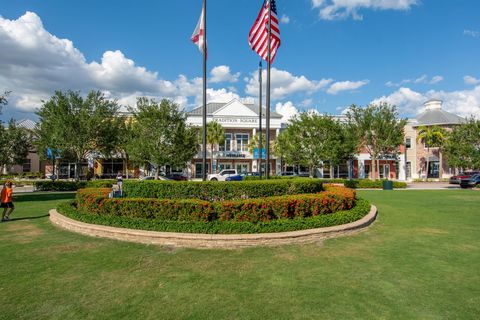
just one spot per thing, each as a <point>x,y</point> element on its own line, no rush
<point>242,167</point>
<point>242,141</point>
<point>27,165</point>
<point>227,146</point>
<point>367,171</point>
<point>408,143</point>
<point>409,170</point>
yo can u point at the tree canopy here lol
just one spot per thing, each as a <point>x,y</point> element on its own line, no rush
<point>378,129</point>
<point>311,139</point>
<point>15,143</point>
<point>3,100</point>
<point>215,136</point>
<point>462,148</point>
<point>160,134</point>
<point>78,126</point>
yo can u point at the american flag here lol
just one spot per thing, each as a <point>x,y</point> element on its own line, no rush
<point>258,36</point>
<point>198,36</point>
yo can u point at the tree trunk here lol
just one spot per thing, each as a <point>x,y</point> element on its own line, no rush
<point>374,168</point>
<point>428,163</point>
<point>211,164</point>
<point>378,168</point>
<point>311,169</point>
<point>440,157</point>
<point>157,171</point>
<point>77,170</point>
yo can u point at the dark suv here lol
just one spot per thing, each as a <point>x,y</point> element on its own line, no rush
<point>471,182</point>
<point>464,175</point>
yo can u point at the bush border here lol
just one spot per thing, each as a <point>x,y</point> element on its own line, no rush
<point>205,241</point>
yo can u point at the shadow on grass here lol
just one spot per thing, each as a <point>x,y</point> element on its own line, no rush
<point>43,196</point>
<point>28,218</point>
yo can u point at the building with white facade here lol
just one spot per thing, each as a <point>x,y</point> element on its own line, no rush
<point>240,121</point>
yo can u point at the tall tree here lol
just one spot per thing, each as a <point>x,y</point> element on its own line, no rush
<point>78,126</point>
<point>3,100</point>
<point>379,130</point>
<point>432,137</point>
<point>310,139</point>
<point>161,135</point>
<point>15,143</point>
<point>462,147</point>
<point>215,136</point>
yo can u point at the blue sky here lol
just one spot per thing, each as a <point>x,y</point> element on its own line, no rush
<point>333,53</point>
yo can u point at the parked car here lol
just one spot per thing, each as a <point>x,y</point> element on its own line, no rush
<point>237,177</point>
<point>471,182</point>
<point>304,174</point>
<point>287,174</point>
<point>466,175</point>
<point>177,176</point>
<point>222,175</point>
<point>153,178</point>
<point>250,174</point>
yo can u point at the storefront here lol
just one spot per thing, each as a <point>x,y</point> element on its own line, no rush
<point>240,121</point>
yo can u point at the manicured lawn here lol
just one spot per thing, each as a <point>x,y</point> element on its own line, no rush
<point>420,260</point>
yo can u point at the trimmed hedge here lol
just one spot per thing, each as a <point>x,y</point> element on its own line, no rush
<point>95,201</point>
<point>60,185</point>
<point>219,191</point>
<point>361,208</point>
<point>371,184</point>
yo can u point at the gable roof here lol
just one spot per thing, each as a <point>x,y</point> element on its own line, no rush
<point>214,107</point>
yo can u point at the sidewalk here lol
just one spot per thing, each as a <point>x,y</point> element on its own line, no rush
<point>432,186</point>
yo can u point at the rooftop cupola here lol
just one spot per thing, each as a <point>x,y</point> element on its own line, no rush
<point>433,104</point>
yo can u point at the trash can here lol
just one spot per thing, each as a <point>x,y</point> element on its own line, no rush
<point>387,185</point>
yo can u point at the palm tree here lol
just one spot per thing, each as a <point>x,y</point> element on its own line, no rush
<point>215,136</point>
<point>432,137</point>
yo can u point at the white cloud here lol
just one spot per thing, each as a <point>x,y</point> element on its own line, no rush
<point>346,86</point>
<point>343,9</point>
<point>285,19</point>
<point>436,79</point>
<point>34,63</point>
<point>423,79</point>
<point>472,33</point>
<point>222,74</point>
<point>287,110</point>
<point>283,83</point>
<point>471,80</point>
<point>463,102</point>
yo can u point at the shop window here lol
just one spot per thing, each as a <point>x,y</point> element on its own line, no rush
<point>242,141</point>
<point>27,165</point>
<point>227,145</point>
<point>408,143</point>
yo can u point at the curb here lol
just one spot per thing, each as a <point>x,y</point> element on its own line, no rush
<point>204,241</point>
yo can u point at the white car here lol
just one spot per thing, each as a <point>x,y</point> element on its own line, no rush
<point>222,175</point>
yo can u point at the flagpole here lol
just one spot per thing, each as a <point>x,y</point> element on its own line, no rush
<point>204,171</point>
<point>260,153</point>
<point>267,143</point>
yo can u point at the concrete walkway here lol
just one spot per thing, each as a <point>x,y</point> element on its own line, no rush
<point>432,186</point>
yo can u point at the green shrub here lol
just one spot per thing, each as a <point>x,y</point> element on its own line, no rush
<point>95,201</point>
<point>48,185</point>
<point>61,185</point>
<point>371,184</point>
<point>218,191</point>
<point>361,208</point>
<point>107,183</point>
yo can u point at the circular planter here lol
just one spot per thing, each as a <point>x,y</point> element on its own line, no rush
<point>227,241</point>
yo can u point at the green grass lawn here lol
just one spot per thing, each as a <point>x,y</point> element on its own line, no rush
<point>420,260</point>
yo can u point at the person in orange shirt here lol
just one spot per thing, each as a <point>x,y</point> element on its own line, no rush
<point>6,198</point>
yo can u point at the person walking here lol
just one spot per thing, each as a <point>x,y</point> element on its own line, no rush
<point>6,200</point>
<point>120,183</point>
